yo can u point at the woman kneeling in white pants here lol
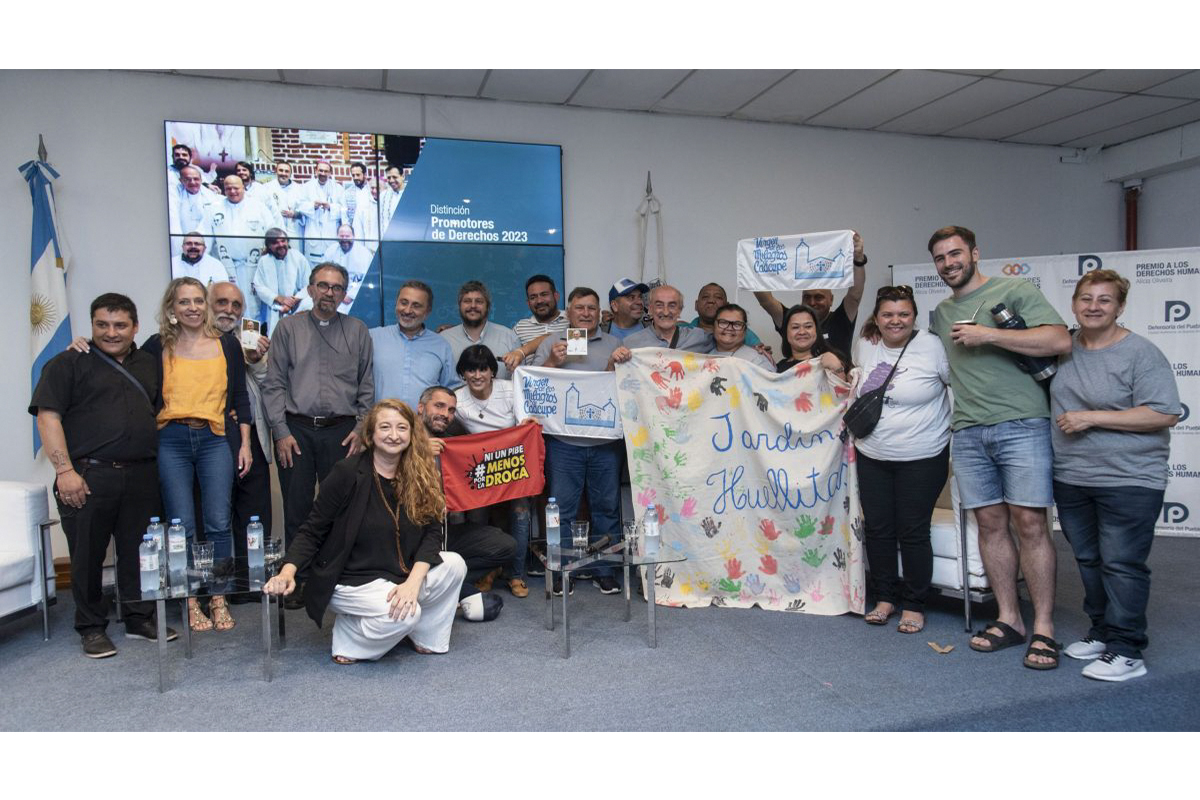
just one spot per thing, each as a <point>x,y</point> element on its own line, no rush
<point>372,545</point>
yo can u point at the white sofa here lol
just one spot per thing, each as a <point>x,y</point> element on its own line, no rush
<point>25,551</point>
<point>952,532</point>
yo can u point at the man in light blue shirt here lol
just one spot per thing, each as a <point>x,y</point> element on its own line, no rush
<point>474,305</point>
<point>408,357</point>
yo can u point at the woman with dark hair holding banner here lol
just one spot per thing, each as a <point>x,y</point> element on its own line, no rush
<point>903,462</point>
<point>486,404</point>
<point>803,341</point>
<point>1113,401</point>
<point>373,545</point>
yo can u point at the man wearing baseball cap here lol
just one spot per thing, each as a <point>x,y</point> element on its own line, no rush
<point>628,308</point>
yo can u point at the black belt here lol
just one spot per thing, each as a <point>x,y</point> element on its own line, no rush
<point>318,422</point>
<point>99,462</point>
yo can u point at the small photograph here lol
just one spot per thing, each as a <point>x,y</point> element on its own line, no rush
<point>577,341</point>
<point>251,333</point>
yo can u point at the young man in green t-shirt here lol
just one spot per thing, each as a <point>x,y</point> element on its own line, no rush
<point>1001,445</point>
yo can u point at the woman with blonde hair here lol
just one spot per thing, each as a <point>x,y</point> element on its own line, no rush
<point>205,412</point>
<point>373,545</point>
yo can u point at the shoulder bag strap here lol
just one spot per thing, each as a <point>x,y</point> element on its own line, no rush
<point>112,362</point>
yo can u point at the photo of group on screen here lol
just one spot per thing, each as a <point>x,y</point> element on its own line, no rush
<point>261,206</point>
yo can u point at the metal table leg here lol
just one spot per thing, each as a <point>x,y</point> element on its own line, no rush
<point>279,618</point>
<point>549,600</point>
<point>628,594</point>
<point>566,592</point>
<point>42,559</point>
<point>266,628</point>
<point>187,627</point>
<point>653,637</point>
<point>160,608</point>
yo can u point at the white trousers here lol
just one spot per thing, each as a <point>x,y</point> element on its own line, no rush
<point>363,630</point>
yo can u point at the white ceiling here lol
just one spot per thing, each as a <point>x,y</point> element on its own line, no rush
<point>1066,107</point>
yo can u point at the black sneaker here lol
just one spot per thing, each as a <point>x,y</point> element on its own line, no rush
<point>584,575</point>
<point>536,570</point>
<point>558,587</point>
<point>98,645</point>
<point>608,585</point>
<point>147,631</point>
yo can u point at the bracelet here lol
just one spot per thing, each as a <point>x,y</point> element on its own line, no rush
<point>64,471</point>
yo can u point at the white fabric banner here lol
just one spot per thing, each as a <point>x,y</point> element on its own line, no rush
<point>569,402</point>
<point>793,263</point>
<point>751,478</point>
<point>1164,286</point>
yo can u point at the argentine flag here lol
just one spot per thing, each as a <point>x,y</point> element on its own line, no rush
<point>50,328</point>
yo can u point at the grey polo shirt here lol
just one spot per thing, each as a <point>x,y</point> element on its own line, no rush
<point>695,340</point>
<point>497,338</point>
<point>600,349</point>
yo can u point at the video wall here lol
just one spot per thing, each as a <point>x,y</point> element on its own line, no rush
<point>260,206</point>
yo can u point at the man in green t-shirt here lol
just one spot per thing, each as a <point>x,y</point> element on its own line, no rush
<point>1001,445</point>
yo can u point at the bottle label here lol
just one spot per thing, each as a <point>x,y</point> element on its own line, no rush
<point>552,519</point>
<point>149,563</point>
<point>252,542</point>
<point>178,544</point>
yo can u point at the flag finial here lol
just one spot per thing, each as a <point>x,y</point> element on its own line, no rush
<point>41,149</point>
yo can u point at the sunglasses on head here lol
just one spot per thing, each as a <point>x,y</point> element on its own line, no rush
<point>894,291</point>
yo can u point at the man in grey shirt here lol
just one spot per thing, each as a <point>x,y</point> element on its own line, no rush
<point>666,304</point>
<point>474,305</point>
<point>318,386</point>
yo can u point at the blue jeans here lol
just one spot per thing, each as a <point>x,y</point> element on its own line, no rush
<point>184,455</point>
<point>1111,528</point>
<point>1009,462</point>
<point>574,468</point>
<point>518,528</point>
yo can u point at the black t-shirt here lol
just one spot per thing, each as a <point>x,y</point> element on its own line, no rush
<point>104,415</point>
<point>837,328</point>
<point>375,553</point>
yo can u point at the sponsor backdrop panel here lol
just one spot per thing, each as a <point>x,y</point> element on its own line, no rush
<point>1163,306</point>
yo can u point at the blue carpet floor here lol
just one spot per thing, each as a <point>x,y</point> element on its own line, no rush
<point>713,670</point>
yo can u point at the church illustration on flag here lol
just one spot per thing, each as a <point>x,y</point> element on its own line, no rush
<point>588,414</point>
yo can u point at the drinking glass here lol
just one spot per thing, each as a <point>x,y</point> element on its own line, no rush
<point>274,551</point>
<point>630,529</point>
<point>202,555</point>
<point>579,534</point>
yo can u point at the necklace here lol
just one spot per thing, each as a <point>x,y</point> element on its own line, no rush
<point>394,513</point>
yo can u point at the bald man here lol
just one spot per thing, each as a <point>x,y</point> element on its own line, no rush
<point>665,330</point>
<point>323,210</point>
<point>239,225</point>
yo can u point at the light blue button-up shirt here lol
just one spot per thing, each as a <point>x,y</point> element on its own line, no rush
<point>404,367</point>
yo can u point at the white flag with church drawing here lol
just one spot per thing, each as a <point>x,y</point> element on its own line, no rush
<point>569,402</point>
<point>797,262</point>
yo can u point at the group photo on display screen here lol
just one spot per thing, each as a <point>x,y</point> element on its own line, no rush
<point>261,206</point>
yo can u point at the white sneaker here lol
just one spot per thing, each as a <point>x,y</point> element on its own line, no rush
<point>1085,649</point>
<point>1112,667</point>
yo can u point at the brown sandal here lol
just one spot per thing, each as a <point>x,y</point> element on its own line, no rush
<point>910,625</point>
<point>222,621</point>
<point>197,621</point>
<point>344,660</point>
<point>877,617</point>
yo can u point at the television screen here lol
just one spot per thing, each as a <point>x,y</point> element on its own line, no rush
<point>261,206</point>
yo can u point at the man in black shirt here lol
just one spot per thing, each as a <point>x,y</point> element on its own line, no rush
<point>96,416</point>
<point>838,325</point>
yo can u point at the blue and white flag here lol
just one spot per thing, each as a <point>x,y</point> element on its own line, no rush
<point>794,263</point>
<point>50,328</point>
<point>569,402</point>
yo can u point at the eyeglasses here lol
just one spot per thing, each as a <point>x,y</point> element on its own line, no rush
<point>336,288</point>
<point>731,325</point>
<point>902,290</point>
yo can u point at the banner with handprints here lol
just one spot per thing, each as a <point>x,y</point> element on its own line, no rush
<point>568,402</point>
<point>751,479</point>
<point>800,261</point>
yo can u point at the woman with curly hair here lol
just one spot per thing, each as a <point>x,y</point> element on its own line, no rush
<point>372,545</point>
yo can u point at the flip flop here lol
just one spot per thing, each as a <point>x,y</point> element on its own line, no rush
<point>343,661</point>
<point>910,626</point>
<point>1009,638</point>
<point>1049,651</point>
<point>877,617</point>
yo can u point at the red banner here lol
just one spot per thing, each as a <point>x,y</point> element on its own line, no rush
<point>485,468</point>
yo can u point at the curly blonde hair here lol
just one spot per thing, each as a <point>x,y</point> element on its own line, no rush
<point>417,484</point>
<point>169,331</point>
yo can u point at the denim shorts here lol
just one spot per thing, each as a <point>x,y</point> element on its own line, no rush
<point>1008,462</point>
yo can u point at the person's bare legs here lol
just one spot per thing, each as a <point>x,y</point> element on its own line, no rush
<point>1000,559</point>
<point>1038,564</point>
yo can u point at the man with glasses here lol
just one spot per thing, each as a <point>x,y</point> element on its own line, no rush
<point>665,330</point>
<point>319,386</point>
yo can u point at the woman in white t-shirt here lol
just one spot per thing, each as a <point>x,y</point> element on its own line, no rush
<point>903,463</point>
<point>487,404</point>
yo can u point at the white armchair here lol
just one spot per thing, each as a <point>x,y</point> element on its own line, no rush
<point>954,533</point>
<point>25,551</point>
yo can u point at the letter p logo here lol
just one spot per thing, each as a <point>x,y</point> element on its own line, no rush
<point>1174,513</point>
<point>1088,263</point>
<point>1176,311</point>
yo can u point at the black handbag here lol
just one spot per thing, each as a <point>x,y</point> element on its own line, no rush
<point>863,414</point>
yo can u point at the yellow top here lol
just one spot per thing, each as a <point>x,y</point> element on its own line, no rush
<point>194,388</point>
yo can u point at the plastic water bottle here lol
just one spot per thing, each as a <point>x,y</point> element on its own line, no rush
<point>553,533</point>
<point>177,553</point>
<point>254,548</point>
<point>156,529</point>
<point>148,564</point>
<point>650,535</point>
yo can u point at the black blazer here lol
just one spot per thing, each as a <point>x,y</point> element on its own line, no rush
<point>237,399</point>
<point>323,543</point>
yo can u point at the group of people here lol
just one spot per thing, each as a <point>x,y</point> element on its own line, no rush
<point>363,414</point>
<point>240,230</point>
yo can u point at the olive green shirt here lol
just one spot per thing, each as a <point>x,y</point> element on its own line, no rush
<point>989,387</point>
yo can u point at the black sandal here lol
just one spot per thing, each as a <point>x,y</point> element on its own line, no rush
<point>1009,638</point>
<point>1049,651</point>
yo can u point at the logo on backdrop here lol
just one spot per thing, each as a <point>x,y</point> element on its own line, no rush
<point>1176,311</point>
<point>1187,412</point>
<point>1089,263</point>
<point>1174,513</point>
<point>1016,269</point>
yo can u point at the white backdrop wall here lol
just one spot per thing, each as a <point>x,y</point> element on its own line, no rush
<point>718,180</point>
